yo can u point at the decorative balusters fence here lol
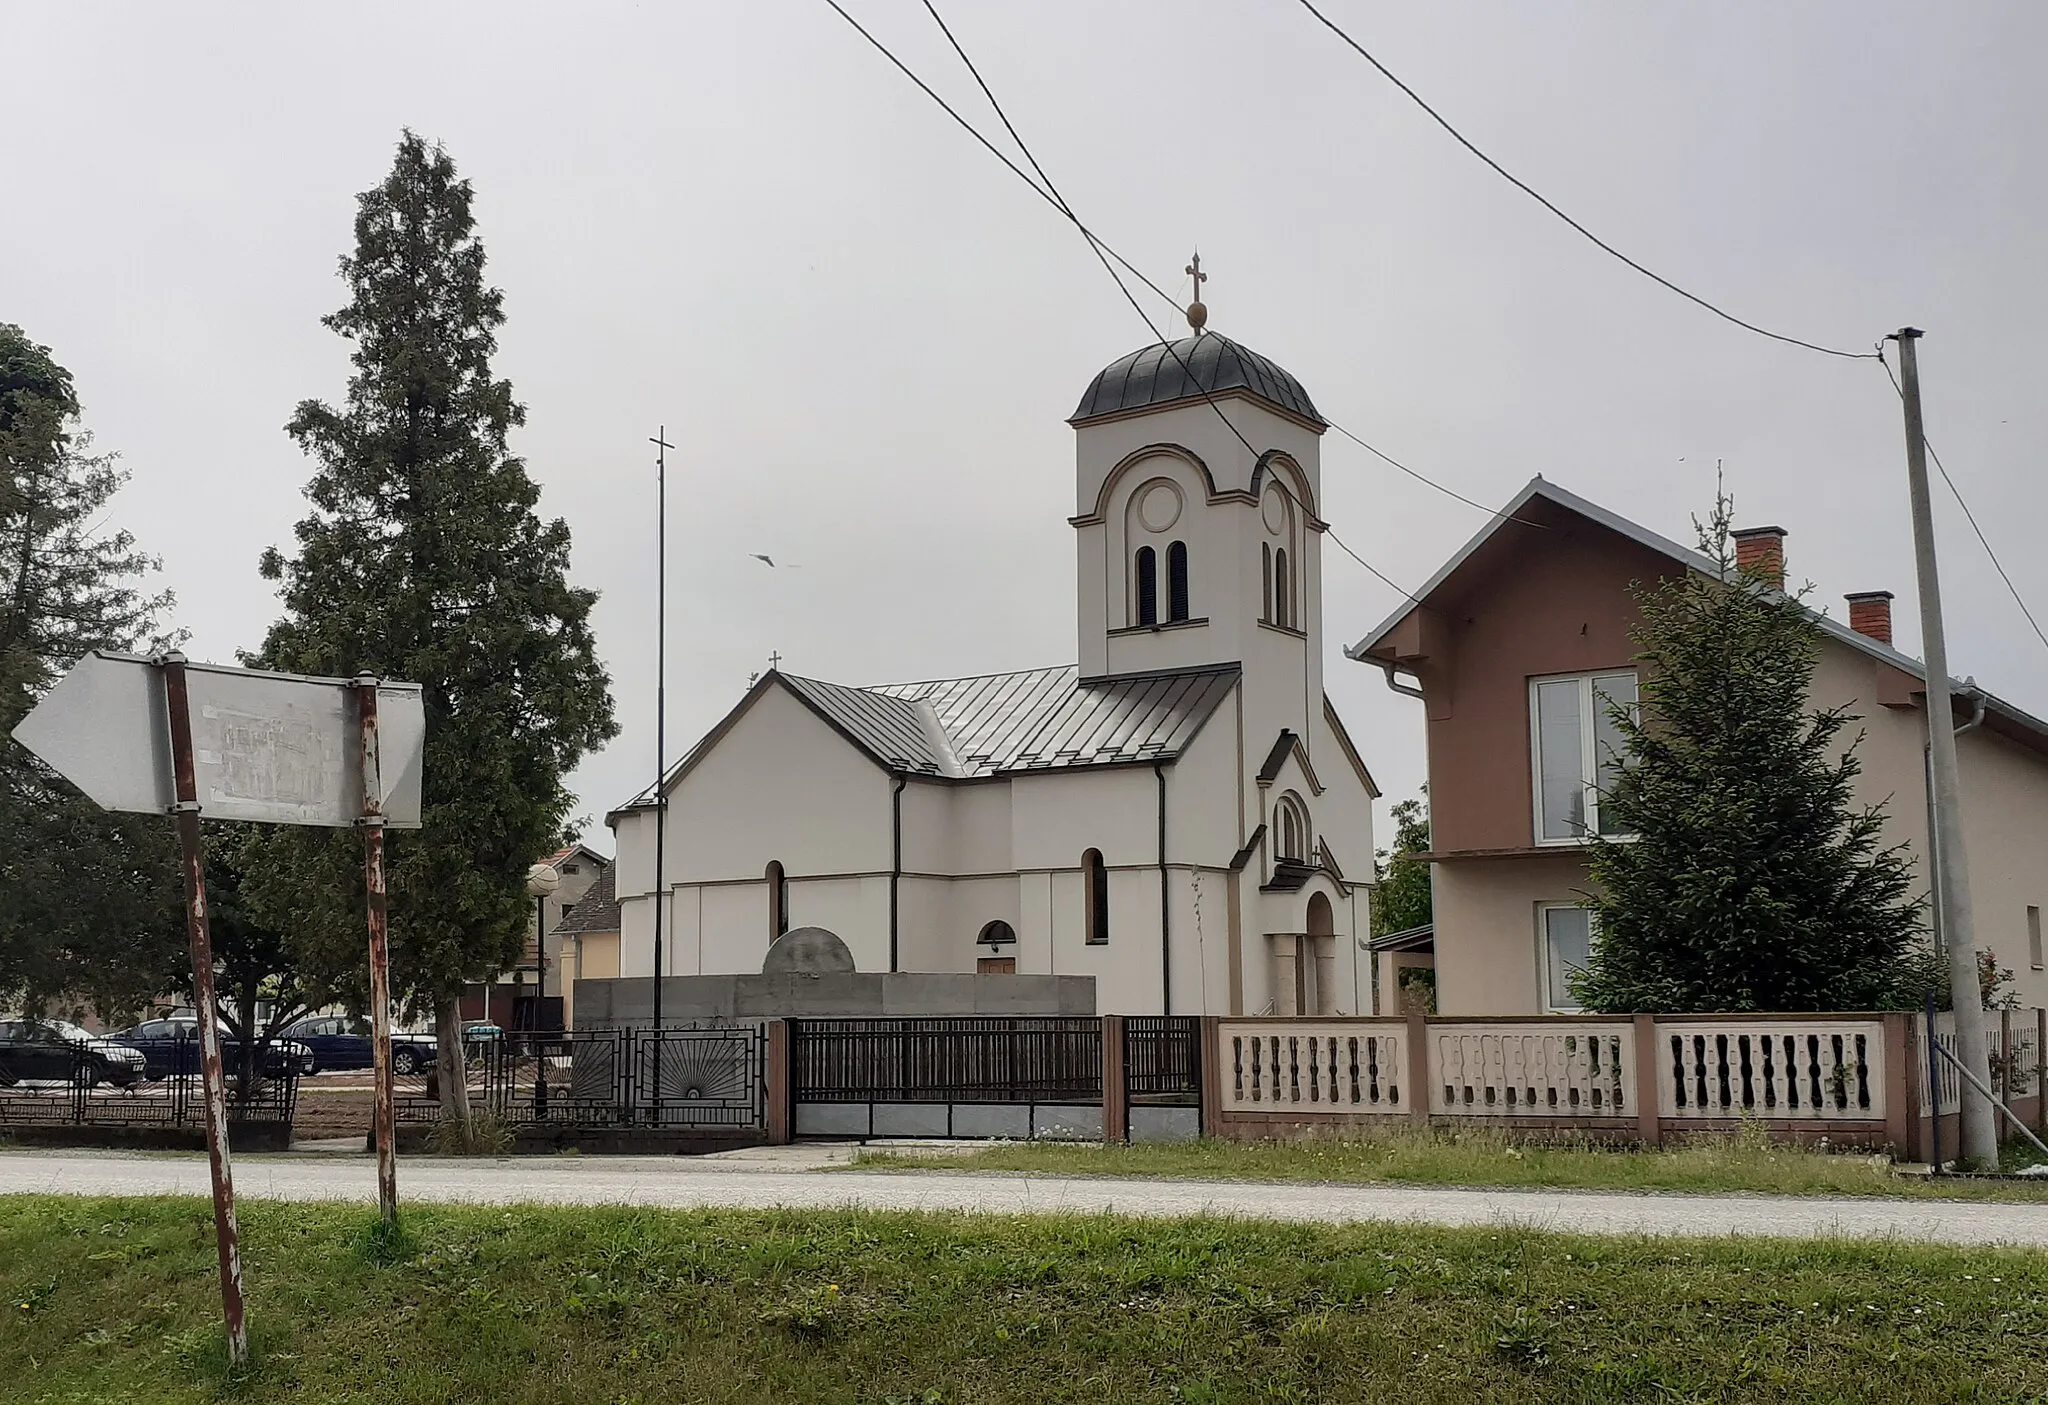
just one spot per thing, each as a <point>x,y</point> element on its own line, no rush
<point>1357,1066</point>
<point>1612,1075</point>
<point>1535,1068</point>
<point>1828,1070</point>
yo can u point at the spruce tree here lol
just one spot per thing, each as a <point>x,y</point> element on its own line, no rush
<point>1752,880</point>
<point>423,560</point>
<point>86,907</point>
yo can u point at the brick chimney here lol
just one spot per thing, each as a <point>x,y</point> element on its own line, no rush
<point>1761,550</point>
<point>1870,613</point>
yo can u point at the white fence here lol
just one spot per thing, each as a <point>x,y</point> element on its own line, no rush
<point>1566,1070</point>
<point>1358,1066</point>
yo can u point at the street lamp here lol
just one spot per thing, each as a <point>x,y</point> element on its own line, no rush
<point>541,882</point>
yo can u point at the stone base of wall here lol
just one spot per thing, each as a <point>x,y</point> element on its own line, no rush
<point>1020,1122</point>
<point>242,1136</point>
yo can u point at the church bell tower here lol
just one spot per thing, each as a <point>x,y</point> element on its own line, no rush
<point>1197,517</point>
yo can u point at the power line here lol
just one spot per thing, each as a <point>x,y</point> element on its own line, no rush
<point>1049,193</point>
<point>1540,199</point>
<point>1968,515</point>
<point>1098,248</point>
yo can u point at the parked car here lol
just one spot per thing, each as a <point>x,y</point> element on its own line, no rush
<point>343,1041</point>
<point>171,1046</point>
<point>57,1051</point>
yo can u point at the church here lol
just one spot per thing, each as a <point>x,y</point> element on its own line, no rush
<point>1180,814</point>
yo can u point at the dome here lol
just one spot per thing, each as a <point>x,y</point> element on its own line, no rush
<point>1193,366</point>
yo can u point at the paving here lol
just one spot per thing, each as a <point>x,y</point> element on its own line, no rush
<point>803,1177</point>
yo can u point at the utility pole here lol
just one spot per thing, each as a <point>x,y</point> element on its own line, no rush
<point>1978,1137</point>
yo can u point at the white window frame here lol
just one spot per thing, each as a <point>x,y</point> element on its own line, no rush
<point>1589,757</point>
<point>1557,1002</point>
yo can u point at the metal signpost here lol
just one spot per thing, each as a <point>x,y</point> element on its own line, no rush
<point>161,736</point>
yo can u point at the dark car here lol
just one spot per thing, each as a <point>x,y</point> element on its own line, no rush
<point>52,1051</point>
<point>171,1047</point>
<point>343,1042</point>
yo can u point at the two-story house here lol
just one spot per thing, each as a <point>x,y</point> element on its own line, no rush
<point>1514,648</point>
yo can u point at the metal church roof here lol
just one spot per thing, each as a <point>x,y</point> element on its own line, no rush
<point>1194,366</point>
<point>1038,719</point>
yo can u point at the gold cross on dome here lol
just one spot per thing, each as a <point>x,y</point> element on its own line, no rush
<point>1198,311</point>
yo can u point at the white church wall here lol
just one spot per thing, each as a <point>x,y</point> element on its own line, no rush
<point>942,917</point>
<point>1202,794</point>
<point>780,785</point>
<point>732,925</point>
<point>1344,810</point>
<point>957,829</point>
<point>1127,967</point>
<point>1056,815</point>
<point>857,908</point>
<point>1091,597</point>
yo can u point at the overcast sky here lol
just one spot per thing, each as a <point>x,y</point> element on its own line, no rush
<point>864,335</point>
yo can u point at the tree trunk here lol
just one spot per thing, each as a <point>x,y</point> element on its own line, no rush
<point>245,1081</point>
<point>449,1069</point>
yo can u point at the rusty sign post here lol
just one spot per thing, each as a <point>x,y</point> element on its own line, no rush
<point>161,736</point>
<point>199,931</point>
<point>372,822</point>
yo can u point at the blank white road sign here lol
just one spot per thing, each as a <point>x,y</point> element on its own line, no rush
<point>273,747</point>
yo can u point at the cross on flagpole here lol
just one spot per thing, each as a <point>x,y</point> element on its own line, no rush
<point>661,448</point>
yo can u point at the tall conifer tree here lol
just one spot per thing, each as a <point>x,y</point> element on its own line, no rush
<point>423,560</point>
<point>1753,879</point>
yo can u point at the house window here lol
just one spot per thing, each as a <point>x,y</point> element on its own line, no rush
<point>1148,585</point>
<point>1577,751</point>
<point>1567,944</point>
<point>1266,581</point>
<point>1283,591</point>
<point>570,868</point>
<point>1177,581</point>
<point>778,900</point>
<point>997,933</point>
<point>2034,937</point>
<point>1095,897</point>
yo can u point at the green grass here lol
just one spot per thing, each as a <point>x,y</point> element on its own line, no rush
<point>1745,1162</point>
<point>114,1301</point>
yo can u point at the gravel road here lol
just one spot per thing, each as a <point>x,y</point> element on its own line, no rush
<point>766,1182</point>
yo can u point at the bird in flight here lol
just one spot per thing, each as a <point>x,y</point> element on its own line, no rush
<point>770,562</point>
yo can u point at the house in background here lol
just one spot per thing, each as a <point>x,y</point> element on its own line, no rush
<point>587,940</point>
<point>539,967</point>
<point>1179,814</point>
<point>1515,647</point>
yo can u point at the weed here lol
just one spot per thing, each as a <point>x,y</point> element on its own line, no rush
<point>482,1134</point>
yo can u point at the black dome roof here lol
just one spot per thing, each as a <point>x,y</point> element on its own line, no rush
<point>1157,375</point>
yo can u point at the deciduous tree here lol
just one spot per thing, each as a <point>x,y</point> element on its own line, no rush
<point>84,902</point>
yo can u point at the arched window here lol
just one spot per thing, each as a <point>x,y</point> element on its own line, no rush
<point>1283,596</point>
<point>1148,585</point>
<point>1266,580</point>
<point>778,900</point>
<point>1177,581</point>
<point>1095,897</point>
<point>997,933</point>
<point>1290,823</point>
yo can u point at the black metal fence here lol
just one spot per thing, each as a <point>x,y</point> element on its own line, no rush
<point>708,1076</point>
<point>1163,1058</point>
<point>1035,1059</point>
<point>81,1090</point>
